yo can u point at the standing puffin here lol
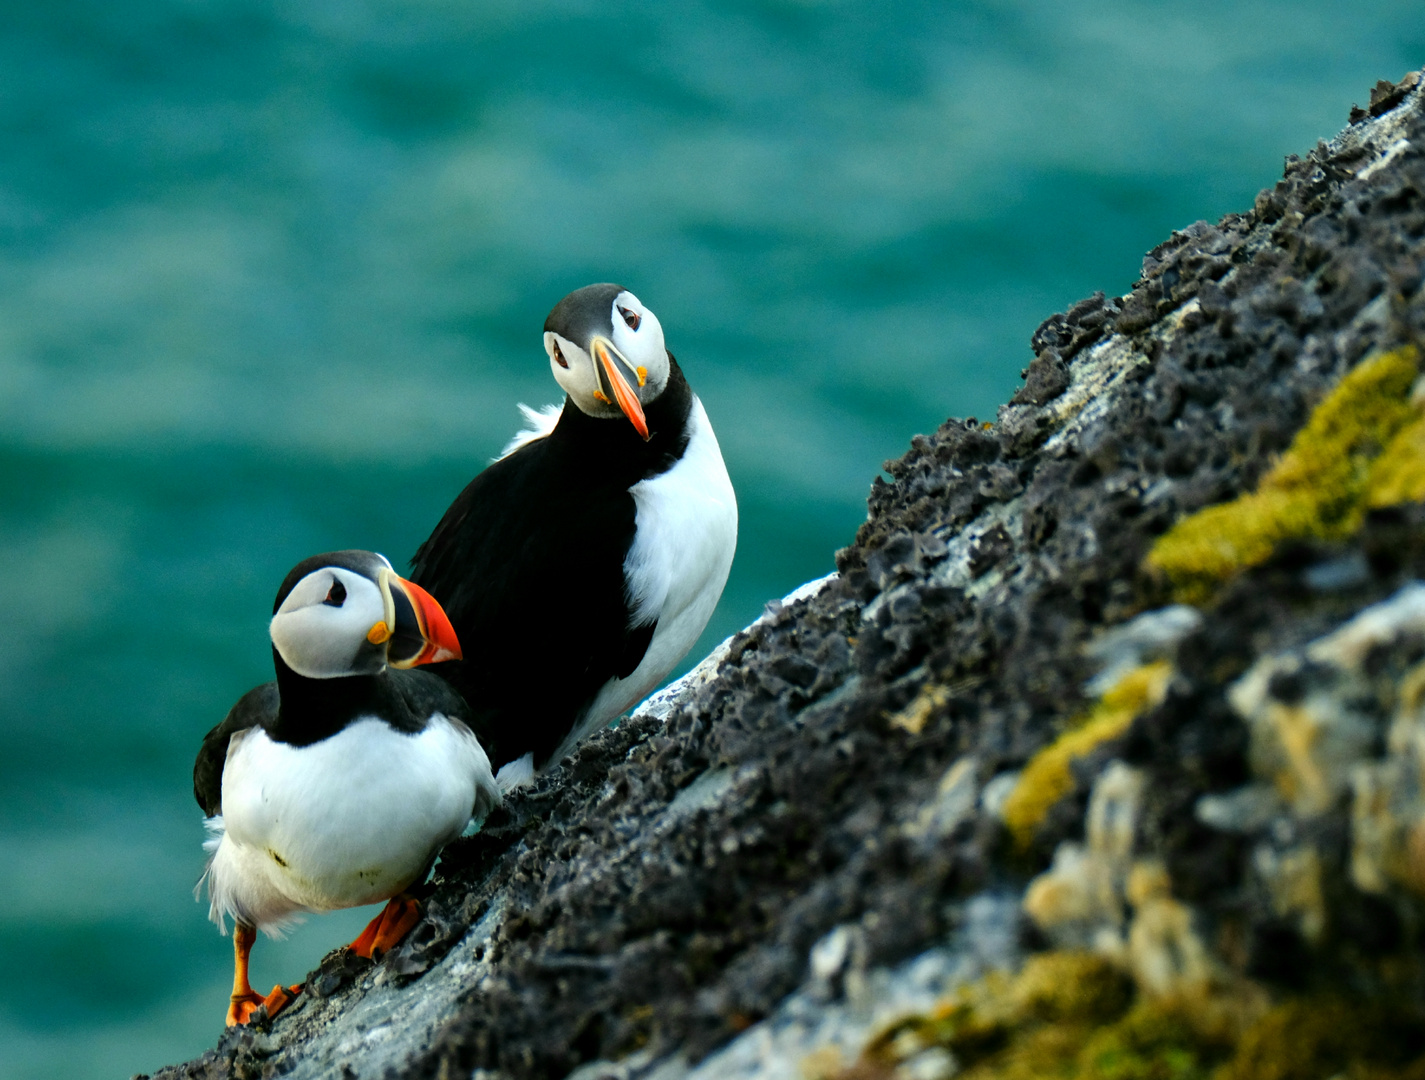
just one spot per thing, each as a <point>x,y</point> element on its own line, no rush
<point>582,565</point>
<point>337,784</point>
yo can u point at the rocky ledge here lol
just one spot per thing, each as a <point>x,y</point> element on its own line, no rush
<point>1103,753</point>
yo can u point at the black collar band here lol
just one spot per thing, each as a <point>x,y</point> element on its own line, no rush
<point>311,710</point>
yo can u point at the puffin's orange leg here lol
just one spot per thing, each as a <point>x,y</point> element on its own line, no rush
<point>400,917</point>
<point>362,945</point>
<point>386,930</point>
<point>245,1000</point>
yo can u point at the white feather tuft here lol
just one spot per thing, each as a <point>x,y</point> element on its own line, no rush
<point>220,905</point>
<point>515,774</point>
<point>541,422</point>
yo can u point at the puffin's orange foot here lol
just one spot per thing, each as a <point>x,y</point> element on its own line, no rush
<point>385,931</point>
<point>244,1005</point>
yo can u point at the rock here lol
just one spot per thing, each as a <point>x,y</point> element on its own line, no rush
<point>1106,741</point>
<point>1149,636</point>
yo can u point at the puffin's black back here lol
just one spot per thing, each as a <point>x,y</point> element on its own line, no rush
<point>528,565</point>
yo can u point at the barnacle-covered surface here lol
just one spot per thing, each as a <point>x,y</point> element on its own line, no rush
<point>995,735</point>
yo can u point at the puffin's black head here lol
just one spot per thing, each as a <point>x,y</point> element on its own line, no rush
<point>606,350</point>
<point>347,613</point>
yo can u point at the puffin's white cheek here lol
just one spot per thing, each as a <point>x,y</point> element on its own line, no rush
<point>561,376</point>
<point>311,645</point>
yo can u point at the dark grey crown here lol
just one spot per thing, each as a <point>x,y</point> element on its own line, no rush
<point>584,313</point>
<point>366,563</point>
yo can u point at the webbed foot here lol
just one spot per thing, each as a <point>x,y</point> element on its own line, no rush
<point>384,932</point>
<point>245,1000</point>
<point>244,1005</point>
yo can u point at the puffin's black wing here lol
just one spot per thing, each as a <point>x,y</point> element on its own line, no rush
<point>254,708</point>
<point>528,564</point>
<point>424,695</point>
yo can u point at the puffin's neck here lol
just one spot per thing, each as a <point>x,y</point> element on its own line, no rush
<point>311,710</point>
<point>616,449</point>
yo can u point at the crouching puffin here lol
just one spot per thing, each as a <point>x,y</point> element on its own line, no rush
<point>582,565</point>
<point>337,784</point>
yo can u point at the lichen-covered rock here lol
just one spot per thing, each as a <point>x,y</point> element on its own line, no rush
<point>1049,775</point>
<point>1127,681</point>
<point>1359,450</point>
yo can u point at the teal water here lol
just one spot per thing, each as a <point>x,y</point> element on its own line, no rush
<point>272,276</point>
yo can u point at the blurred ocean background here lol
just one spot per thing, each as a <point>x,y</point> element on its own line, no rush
<point>272,279</point>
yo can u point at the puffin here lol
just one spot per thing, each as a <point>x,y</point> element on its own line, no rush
<point>582,564</point>
<point>337,784</point>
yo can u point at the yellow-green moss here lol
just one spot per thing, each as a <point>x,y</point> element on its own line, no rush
<point>1151,1042</point>
<point>1057,998</point>
<point>1319,489</point>
<point>1308,1038</point>
<point>1066,1015</point>
<point>1048,776</point>
<point>1398,475</point>
<point>1073,1016</point>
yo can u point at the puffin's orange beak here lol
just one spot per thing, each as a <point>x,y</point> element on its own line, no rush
<point>627,400</point>
<point>423,634</point>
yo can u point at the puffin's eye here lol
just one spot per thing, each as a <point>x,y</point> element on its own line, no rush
<point>336,596</point>
<point>631,317</point>
<point>559,357</point>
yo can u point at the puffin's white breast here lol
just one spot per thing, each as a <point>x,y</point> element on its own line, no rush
<point>676,568</point>
<point>350,820</point>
